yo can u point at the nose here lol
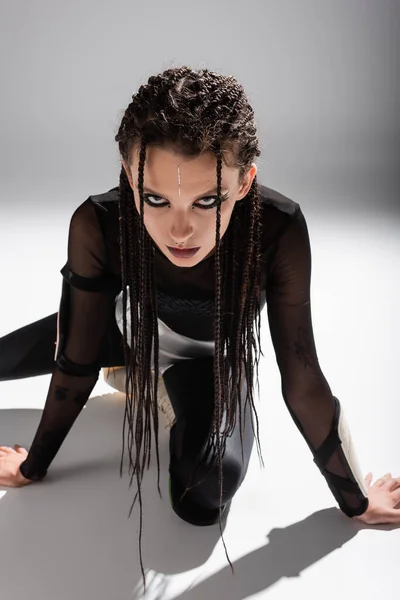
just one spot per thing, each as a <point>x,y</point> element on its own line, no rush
<point>181,230</point>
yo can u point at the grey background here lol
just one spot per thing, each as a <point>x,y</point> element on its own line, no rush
<point>323,78</point>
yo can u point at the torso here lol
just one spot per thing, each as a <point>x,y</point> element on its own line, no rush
<point>185,296</point>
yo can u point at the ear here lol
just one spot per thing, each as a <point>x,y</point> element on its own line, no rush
<point>128,173</point>
<point>247,182</point>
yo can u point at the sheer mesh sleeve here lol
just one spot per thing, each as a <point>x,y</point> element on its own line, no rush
<point>316,412</point>
<point>85,307</point>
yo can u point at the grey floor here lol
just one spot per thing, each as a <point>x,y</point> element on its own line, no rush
<point>70,537</point>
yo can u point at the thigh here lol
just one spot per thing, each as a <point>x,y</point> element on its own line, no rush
<point>190,387</point>
<point>193,450</point>
<point>29,351</point>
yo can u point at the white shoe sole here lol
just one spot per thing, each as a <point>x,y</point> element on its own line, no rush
<point>115,377</point>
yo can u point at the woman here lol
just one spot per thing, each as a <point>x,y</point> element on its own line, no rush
<point>166,276</point>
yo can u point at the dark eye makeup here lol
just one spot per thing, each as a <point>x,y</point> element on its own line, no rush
<point>203,207</point>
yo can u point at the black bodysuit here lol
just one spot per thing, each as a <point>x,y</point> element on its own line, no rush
<point>185,300</point>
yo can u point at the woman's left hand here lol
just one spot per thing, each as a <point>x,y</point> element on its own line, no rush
<point>384,501</point>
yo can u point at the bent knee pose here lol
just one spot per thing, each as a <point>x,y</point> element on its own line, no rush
<point>193,451</point>
<point>167,274</point>
<point>29,352</point>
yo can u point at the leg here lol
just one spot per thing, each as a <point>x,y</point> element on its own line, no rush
<point>29,351</point>
<point>190,385</point>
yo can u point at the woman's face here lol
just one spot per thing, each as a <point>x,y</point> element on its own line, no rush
<point>179,211</point>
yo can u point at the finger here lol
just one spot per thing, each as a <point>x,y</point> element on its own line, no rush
<point>395,497</point>
<point>368,479</point>
<point>379,482</point>
<point>6,449</point>
<point>20,449</point>
<point>391,484</point>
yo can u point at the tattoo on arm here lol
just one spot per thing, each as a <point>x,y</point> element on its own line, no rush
<point>62,394</point>
<point>303,347</point>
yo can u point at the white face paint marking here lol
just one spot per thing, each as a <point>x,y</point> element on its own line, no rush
<point>179,180</point>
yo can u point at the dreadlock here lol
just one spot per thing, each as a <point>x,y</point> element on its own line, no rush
<point>193,111</point>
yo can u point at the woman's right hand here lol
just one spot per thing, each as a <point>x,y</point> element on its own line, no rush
<point>10,460</point>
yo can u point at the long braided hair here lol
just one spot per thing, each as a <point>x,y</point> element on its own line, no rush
<point>193,111</point>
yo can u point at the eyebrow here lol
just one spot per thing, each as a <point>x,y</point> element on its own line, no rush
<point>209,193</point>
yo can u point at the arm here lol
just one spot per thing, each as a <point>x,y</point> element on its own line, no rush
<point>316,412</point>
<point>85,308</point>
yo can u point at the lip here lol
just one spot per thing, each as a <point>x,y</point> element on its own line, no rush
<point>185,253</point>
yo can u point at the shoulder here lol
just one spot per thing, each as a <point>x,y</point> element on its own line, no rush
<point>98,211</point>
<point>278,213</point>
<point>107,200</point>
<point>274,202</point>
<point>94,225</point>
<point>95,204</point>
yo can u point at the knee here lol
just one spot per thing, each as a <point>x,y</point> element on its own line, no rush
<point>203,479</point>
